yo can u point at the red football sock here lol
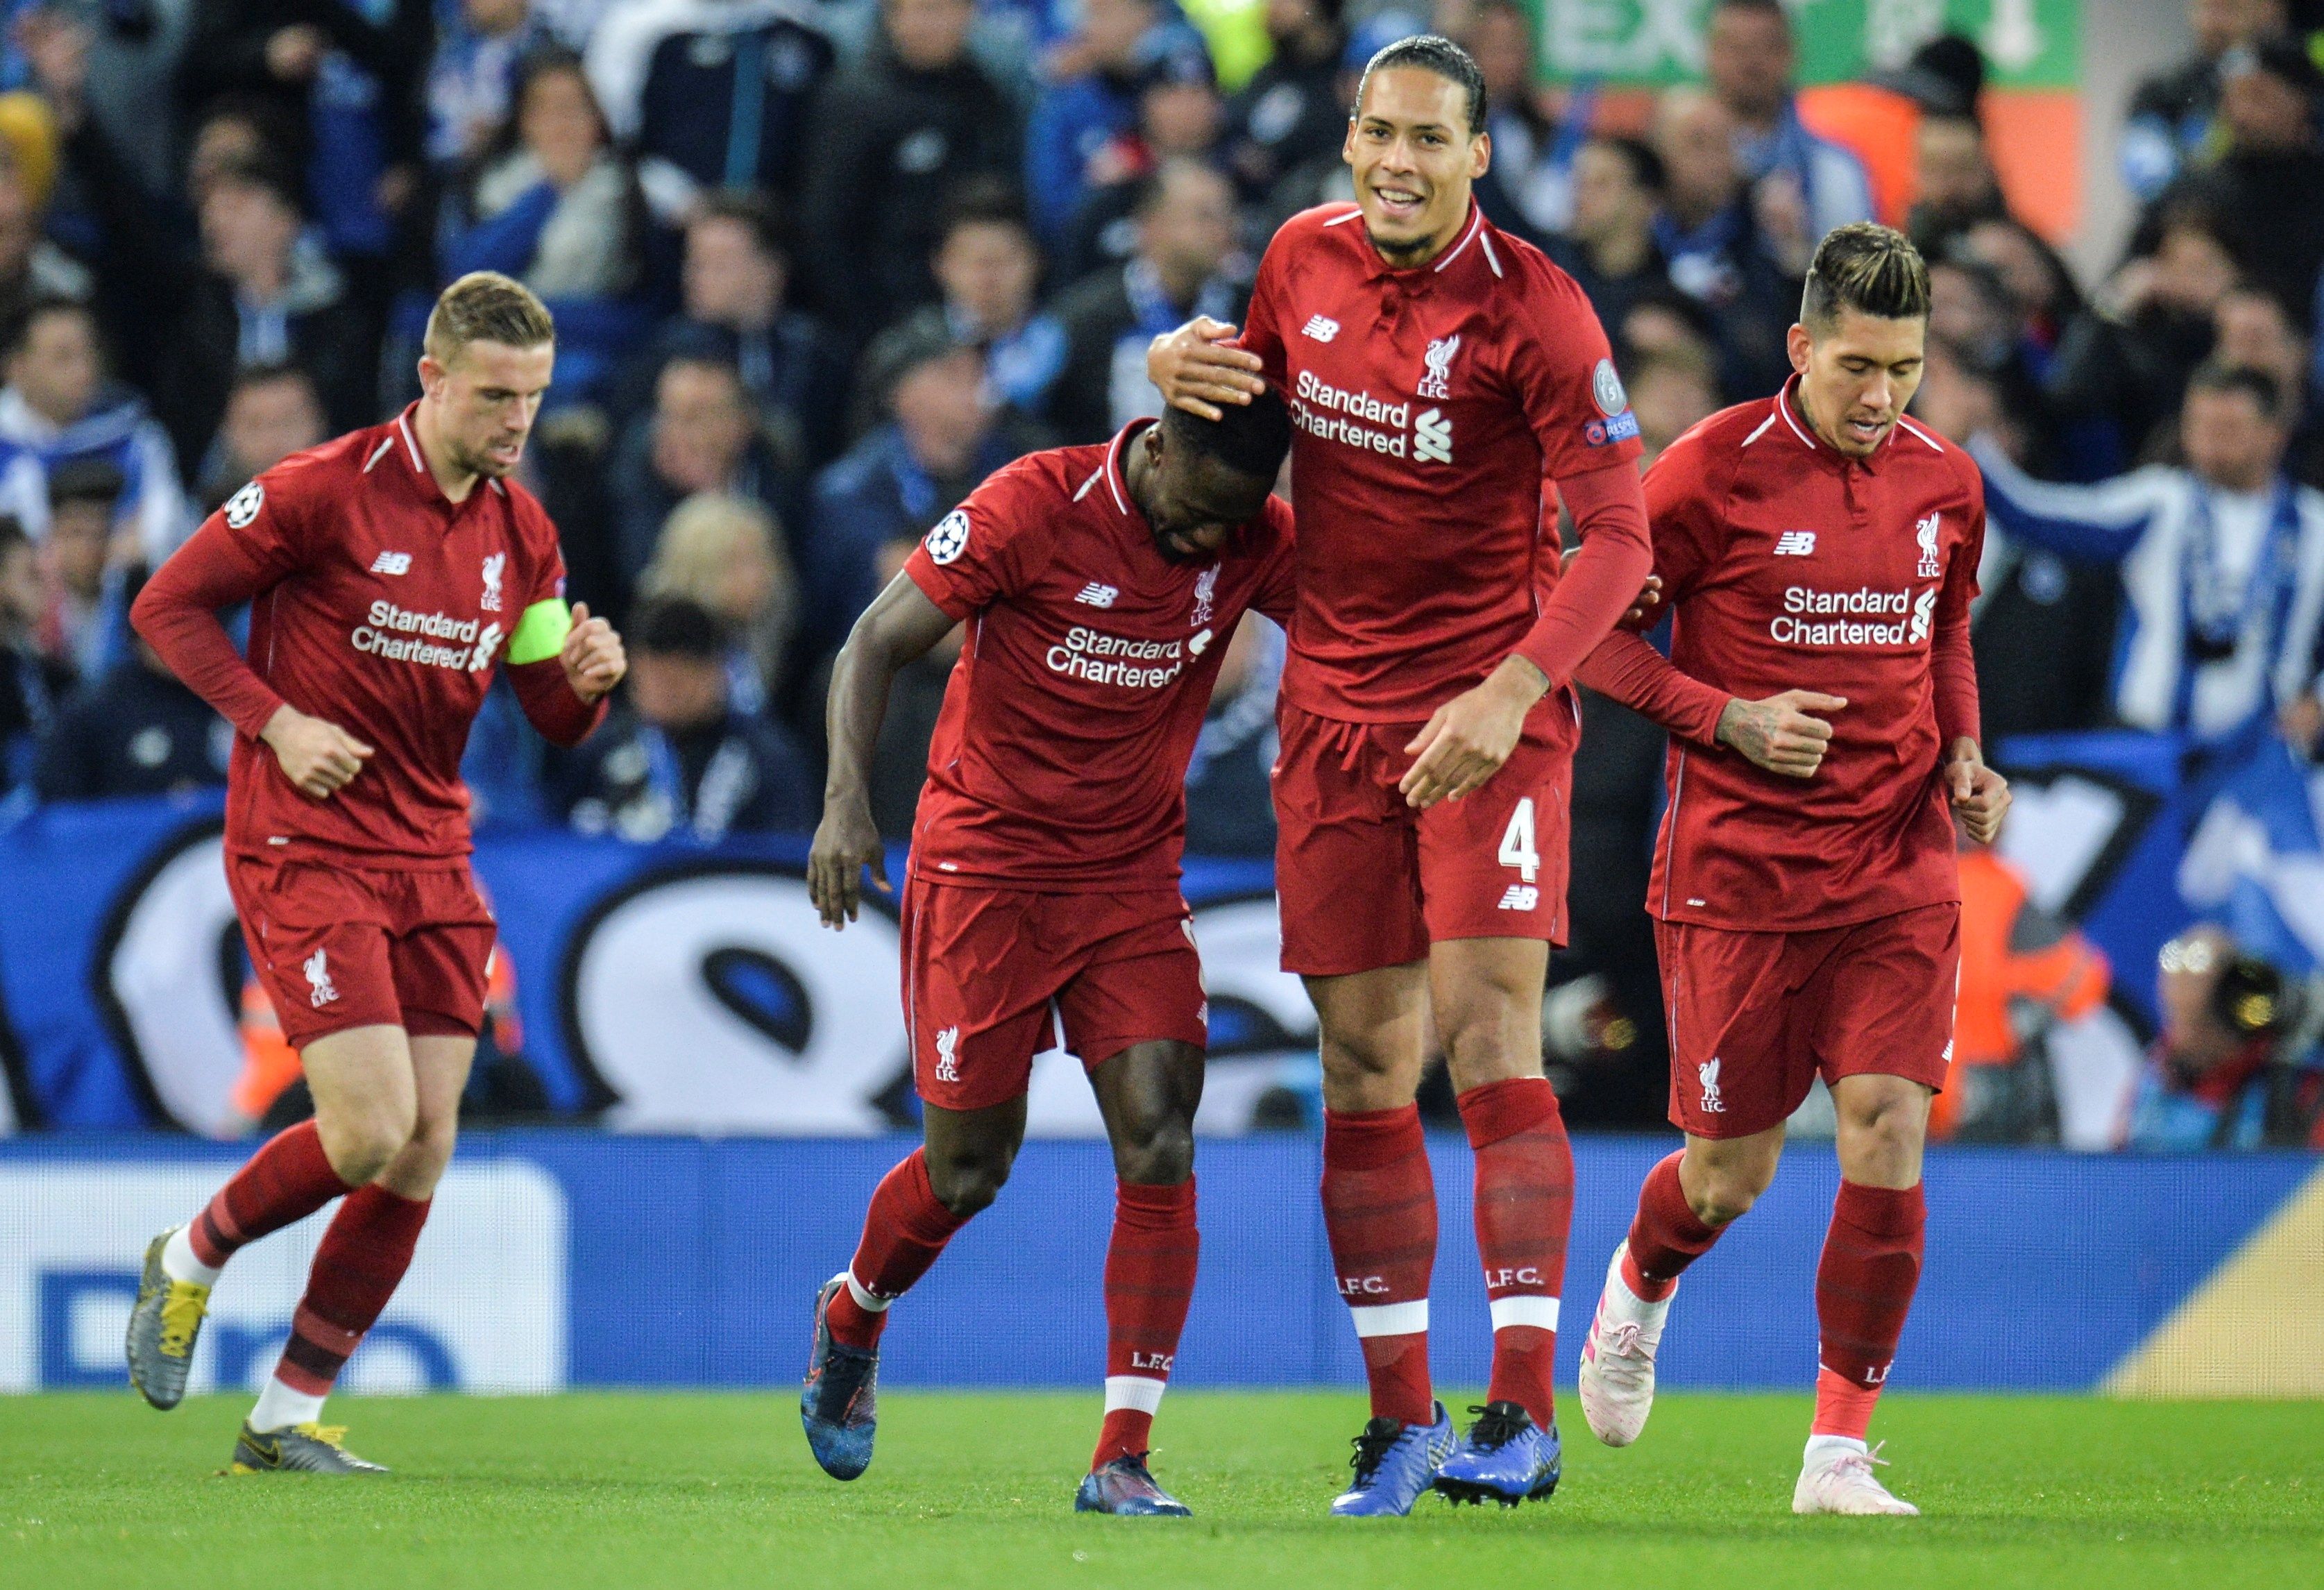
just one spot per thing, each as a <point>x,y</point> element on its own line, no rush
<point>1666,1235</point>
<point>1863,1289</point>
<point>363,1257</point>
<point>904,1230</point>
<point>1525,1207</point>
<point>1150,1280</point>
<point>1379,1213</point>
<point>282,1183</point>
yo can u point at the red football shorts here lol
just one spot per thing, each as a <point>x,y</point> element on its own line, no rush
<point>1364,880</point>
<point>1756,1018</point>
<point>340,946</point>
<point>994,976</point>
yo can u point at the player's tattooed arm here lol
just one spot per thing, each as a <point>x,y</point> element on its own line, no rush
<point>1194,369</point>
<point>1781,734</point>
<point>1979,796</point>
<point>897,630</point>
<point>320,758</point>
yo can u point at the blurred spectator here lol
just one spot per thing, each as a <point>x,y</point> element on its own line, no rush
<point>1291,114</point>
<point>1185,265</point>
<point>33,268</point>
<point>725,555</point>
<point>271,411</point>
<point>2222,1073</point>
<point>1078,118</point>
<point>1671,393</point>
<point>2040,285</point>
<point>1972,313</point>
<point>895,134</point>
<point>1711,240</point>
<point>137,732</point>
<point>259,299</point>
<point>2127,358</point>
<point>899,761</point>
<point>2023,971</point>
<point>1956,187</point>
<point>346,77</point>
<point>736,290</point>
<point>1528,188</point>
<point>58,406</point>
<point>1748,59</point>
<point>676,758</point>
<point>701,436</point>
<point>555,207</point>
<point>2222,564</point>
<point>939,439</point>
<point>471,77</point>
<point>236,131</point>
<point>33,684</point>
<point>989,268</point>
<point>677,79</point>
<point>2170,114</point>
<point>1609,245</point>
<point>1228,809</point>
<point>1180,117</point>
<point>2264,184</point>
<point>2253,327</point>
<point>86,565</point>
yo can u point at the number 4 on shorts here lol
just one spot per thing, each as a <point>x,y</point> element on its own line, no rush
<point>1516,845</point>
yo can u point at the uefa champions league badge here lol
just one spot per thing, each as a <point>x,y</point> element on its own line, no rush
<point>949,539</point>
<point>243,506</point>
<point>1606,390</point>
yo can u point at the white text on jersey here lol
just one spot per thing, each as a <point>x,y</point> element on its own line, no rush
<point>1114,659</point>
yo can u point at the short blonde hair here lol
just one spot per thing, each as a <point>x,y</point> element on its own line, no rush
<point>702,540</point>
<point>485,306</point>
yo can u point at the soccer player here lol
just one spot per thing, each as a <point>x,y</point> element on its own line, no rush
<point>1805,893</point>
<point>1101,585</point>
<point>1442,377</point>
<point>390,572</point>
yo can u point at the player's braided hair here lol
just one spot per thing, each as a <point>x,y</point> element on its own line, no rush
<point>485,306</point>
<point>1436,53</point>
<point>1249,438</point>
<point>1869,268</point>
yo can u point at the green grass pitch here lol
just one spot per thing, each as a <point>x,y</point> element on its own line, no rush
<point>707,1491</point>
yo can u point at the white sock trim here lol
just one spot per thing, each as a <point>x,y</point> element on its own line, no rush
<point>1540,1313</point>
<point>871,1302</point>
<point>1391,1320</point>
<point>1137,1391</point>
<point>179,1263</point>
<point>1823,1445</point>
<point>280,1407</point>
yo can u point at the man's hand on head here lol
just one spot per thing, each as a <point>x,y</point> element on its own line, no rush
<point>1194,369</point>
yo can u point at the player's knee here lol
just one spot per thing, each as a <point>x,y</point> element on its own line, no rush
<point>1721,1191</point>
<point>1156,1153</point>
<point>966,1184</point>
<point>360,1144</point>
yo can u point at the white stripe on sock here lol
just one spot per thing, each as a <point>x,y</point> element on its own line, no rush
<point>1133,1390</point>
<point>1391,1320</point>
<point>280,1407</point>
<point>871,1302</point>
<point>1541,1313</point>
<point>179,1263</point>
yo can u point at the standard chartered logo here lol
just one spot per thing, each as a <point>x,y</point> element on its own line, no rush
<point>1860,617</point>
<point>1116,660</point>
<point>435,640</point>
<point>1359,420</point>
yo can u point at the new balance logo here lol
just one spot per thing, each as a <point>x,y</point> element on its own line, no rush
<point>1795,544</point>
<point>1320,328</point>
<point>1926,533</point>
<point>319,981</point>
<point>1098,596</point>
<point>1521,897</point>
<point>391,563</point>
<point>1432,437</point>
<point>1707,1074</point>
<point>947,1040</point>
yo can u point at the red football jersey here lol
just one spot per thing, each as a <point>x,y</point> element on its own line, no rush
<point>1789,566</point>
<point>1059,761</point>
<point>380,605</point>
<point>1434,408</point>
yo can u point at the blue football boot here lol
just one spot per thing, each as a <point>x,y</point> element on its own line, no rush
<point>1505,1457</point>
<point>1124,1489</point>
<point>1394,1464</point>
<point>840,1405</point>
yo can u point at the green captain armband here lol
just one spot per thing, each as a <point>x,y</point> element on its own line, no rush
<point>540,633</point>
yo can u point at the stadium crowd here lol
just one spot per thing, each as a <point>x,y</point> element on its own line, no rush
<point>819,266</point>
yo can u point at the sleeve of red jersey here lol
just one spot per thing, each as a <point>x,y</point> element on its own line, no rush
<point>248,546</point>
<point>990,547</point>
<point>1625,669</point>
<point>1564,374</point>
<point>1261,334</point>
<point>536,652</point>
<point>1278,587</point>
<point>1952,664</point>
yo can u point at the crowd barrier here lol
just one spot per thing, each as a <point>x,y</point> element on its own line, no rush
<point>575,1258</point>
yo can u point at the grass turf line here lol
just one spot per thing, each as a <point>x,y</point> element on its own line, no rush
<point>702,1491</point>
